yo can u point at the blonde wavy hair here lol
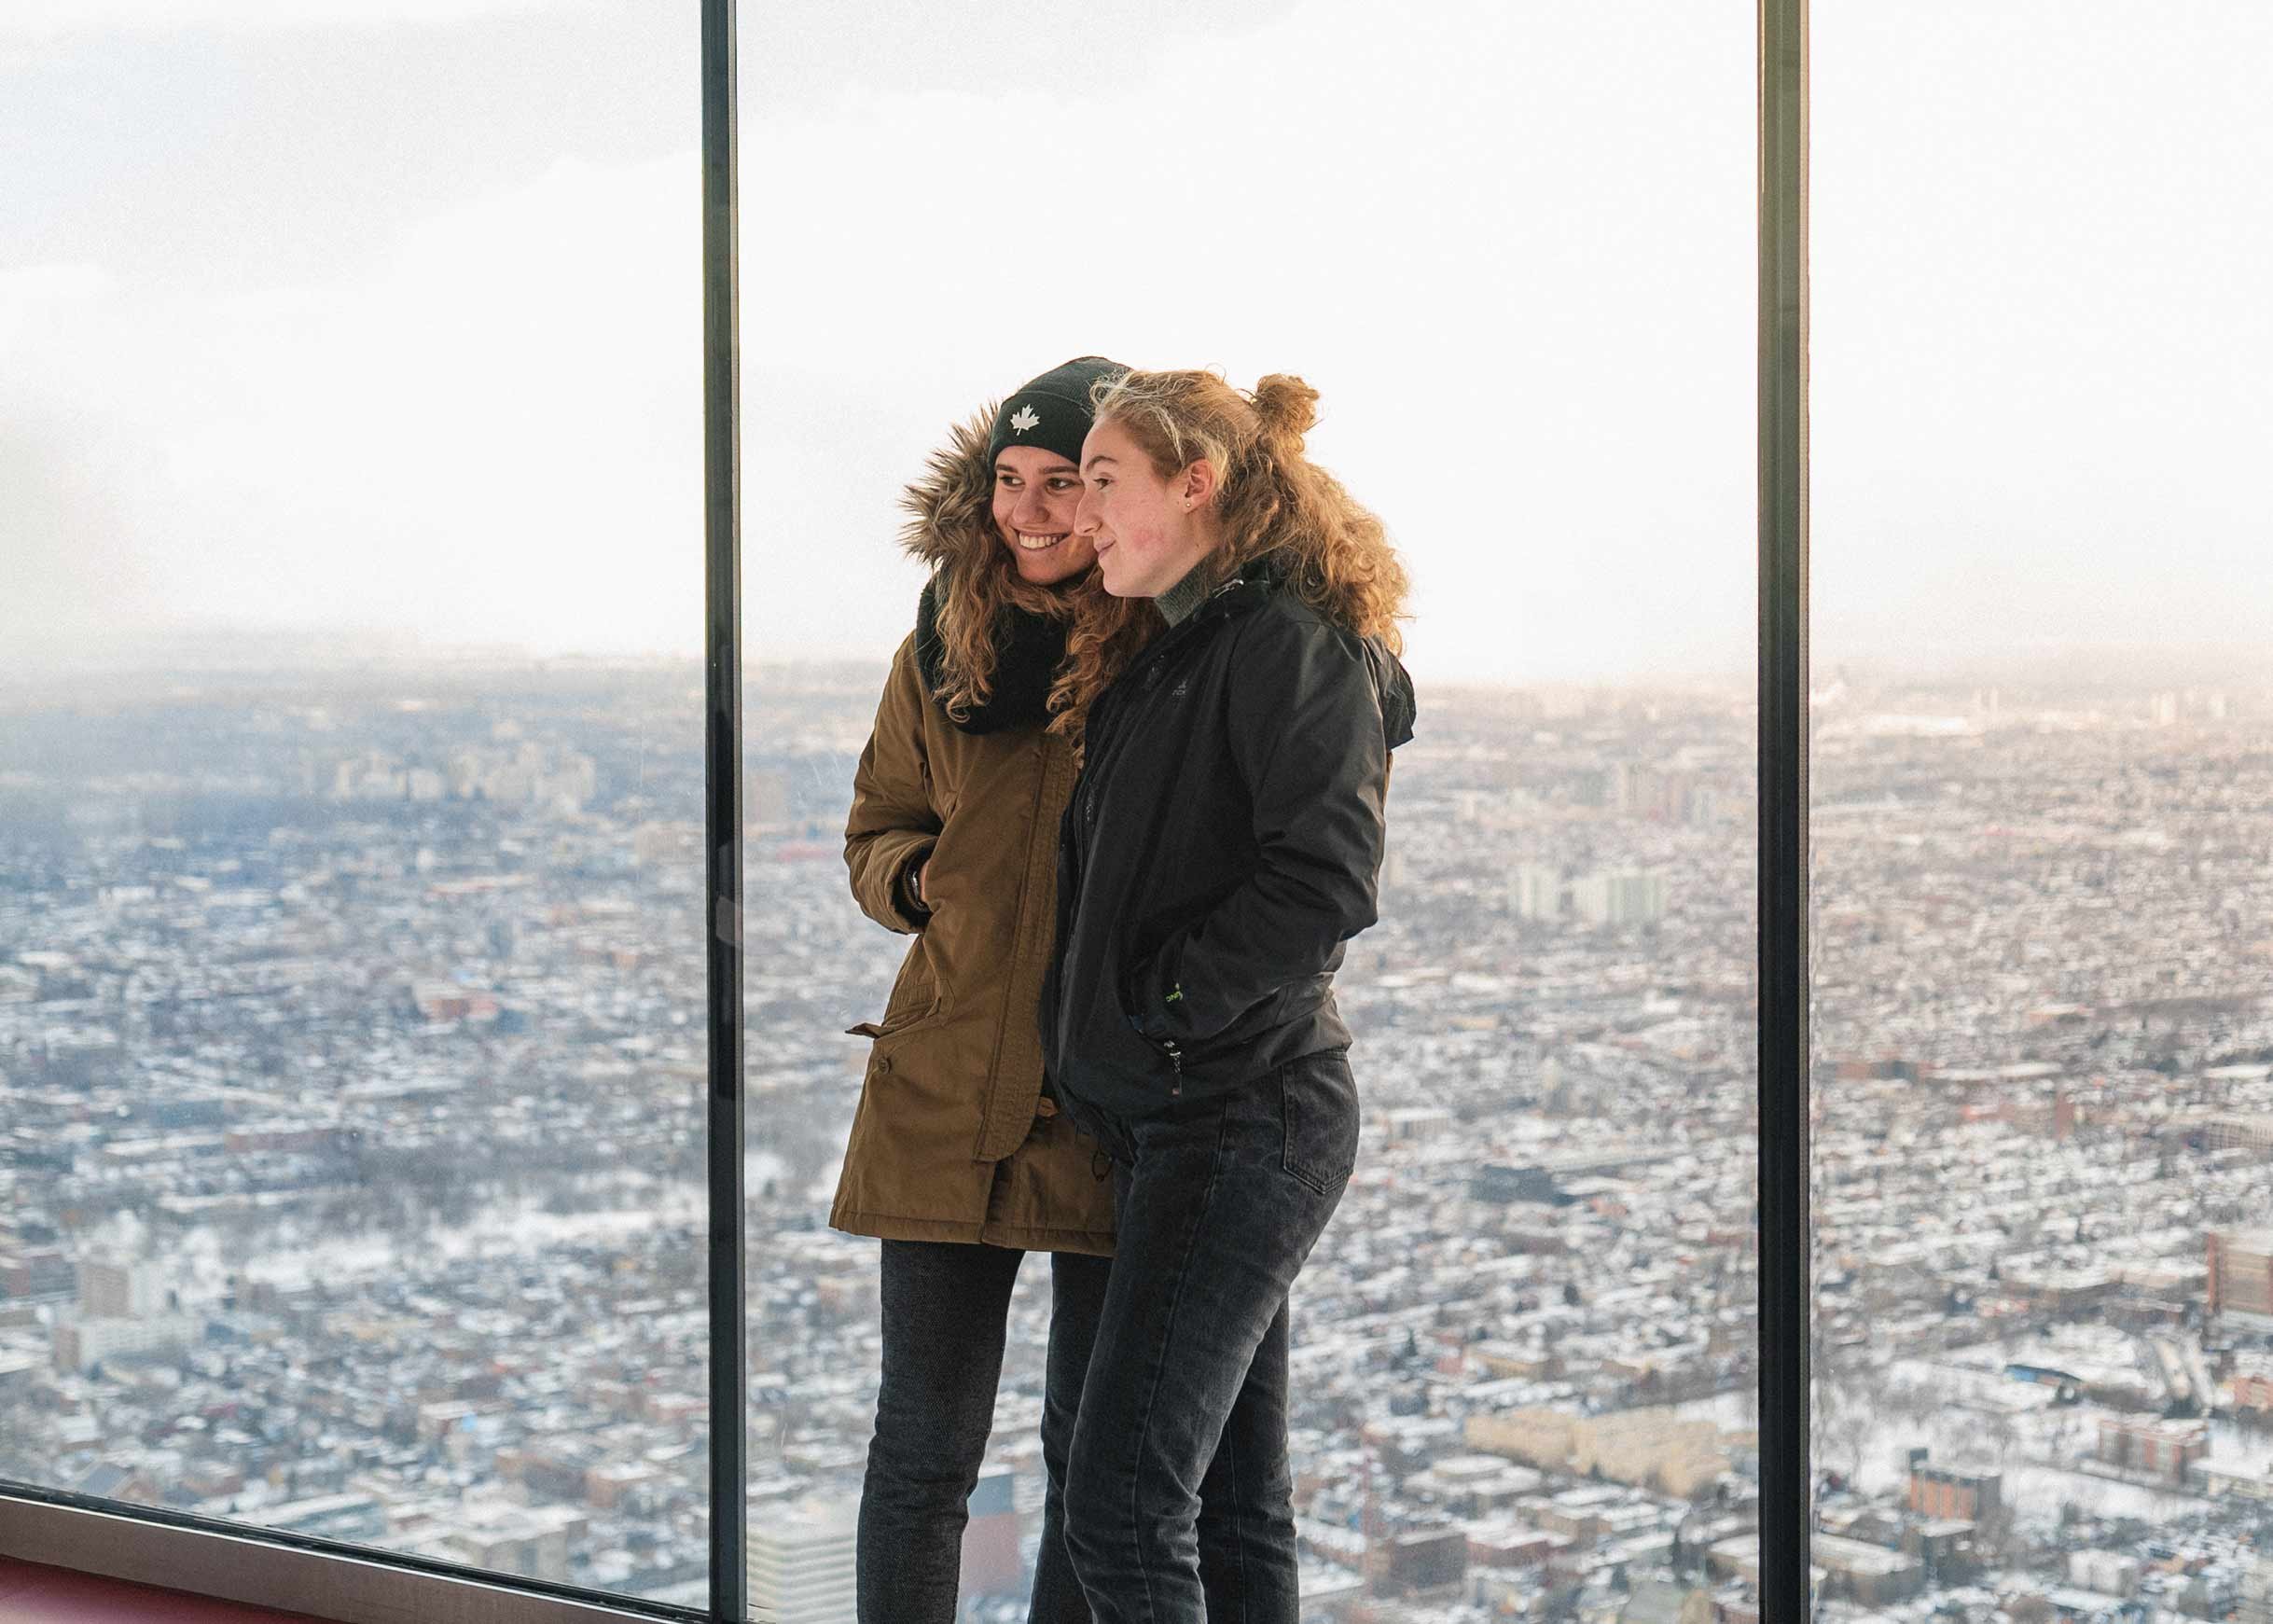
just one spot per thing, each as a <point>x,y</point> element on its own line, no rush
<point>952,528</point>
<point>1269,498</point>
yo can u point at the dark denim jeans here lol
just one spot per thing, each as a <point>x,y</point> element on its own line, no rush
<point>946,1304</point>
<point>1179,1500</point>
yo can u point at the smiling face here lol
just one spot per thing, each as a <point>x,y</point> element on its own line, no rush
<point>1035,492</point>
<point>1147,530</point>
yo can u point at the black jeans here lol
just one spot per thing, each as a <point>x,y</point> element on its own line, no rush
<point>1179,1500</point>
<point>945,1306</point>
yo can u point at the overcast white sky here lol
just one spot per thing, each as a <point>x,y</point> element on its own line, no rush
<point>380,319</point>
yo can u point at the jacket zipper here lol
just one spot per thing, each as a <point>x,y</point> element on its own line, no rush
<point>1088,815</point>
<point>994,1062</point>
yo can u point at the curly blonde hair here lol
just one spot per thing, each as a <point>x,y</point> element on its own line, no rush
<point>952,527</point>
<point>1269,498</point>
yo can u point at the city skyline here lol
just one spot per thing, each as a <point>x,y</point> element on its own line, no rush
<point>353,1066</point>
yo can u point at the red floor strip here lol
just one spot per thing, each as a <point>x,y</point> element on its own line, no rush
<point>32,1594</point>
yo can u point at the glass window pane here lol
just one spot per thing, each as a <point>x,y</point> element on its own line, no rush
<point>1512,247</point>
<point>351,982</point>
<point>2041,718</point>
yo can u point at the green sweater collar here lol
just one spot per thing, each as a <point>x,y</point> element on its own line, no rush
<point>1177,603</point>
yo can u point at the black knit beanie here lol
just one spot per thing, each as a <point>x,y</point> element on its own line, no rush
<point>1053,410</point>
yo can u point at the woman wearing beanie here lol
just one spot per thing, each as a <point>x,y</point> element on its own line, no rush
<point>958,1158</point>
<point>1223,844</point>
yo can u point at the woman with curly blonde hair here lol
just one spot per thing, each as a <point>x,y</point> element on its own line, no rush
<point>1223,843</point>
<point>958,1158</point>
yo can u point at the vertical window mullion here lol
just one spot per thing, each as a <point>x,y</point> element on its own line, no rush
<point>1786,1320</point>
<point>722,778</point>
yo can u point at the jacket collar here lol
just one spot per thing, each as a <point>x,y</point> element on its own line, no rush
<point>1249,588</point>
<point>1252,586</point>
<point>1238,595</point>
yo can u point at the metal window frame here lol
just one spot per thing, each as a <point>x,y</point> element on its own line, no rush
<point>359,1585</point>
<point>356,1584</point>
<point>1786,1322</point>
<point>328,1578</point>
<point>723,809</point>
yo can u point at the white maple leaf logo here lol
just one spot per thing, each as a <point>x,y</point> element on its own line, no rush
<point>1024,419</point>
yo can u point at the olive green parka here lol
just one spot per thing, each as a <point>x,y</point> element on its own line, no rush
<point>953,1139</point>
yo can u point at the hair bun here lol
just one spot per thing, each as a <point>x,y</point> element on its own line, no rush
<point>1287,407</point>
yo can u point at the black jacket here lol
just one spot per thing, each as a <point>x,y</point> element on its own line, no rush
<point>1222,842</point>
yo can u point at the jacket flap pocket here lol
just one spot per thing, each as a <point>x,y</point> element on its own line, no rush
<point>898,1020</point>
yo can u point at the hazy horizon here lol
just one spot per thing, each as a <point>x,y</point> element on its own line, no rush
<point>189,653</point>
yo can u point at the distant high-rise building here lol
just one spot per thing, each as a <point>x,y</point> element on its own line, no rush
<point>802,1565</point>
<point>533,1541</point>
<point>2240,1130</point>
<point>120,1289</point>
<point>2241,1274</point>
<point>1619,897</point>
<point>1424,1561</point>
<point>81,1344</point>
<point>1660,795</point>
<point>1537,891</point>
<point>2253,1382</point>
<point>1953,1492</point>
<point>2152,1447</point>
<point>33,1270</point>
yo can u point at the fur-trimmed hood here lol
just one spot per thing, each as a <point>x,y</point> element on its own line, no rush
<point>950,518</point>
<point>951,528</point>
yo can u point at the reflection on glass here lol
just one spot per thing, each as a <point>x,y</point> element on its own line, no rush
<point>1523,1350</point>
<point>350,1019</point>
<point>2044,760</point>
